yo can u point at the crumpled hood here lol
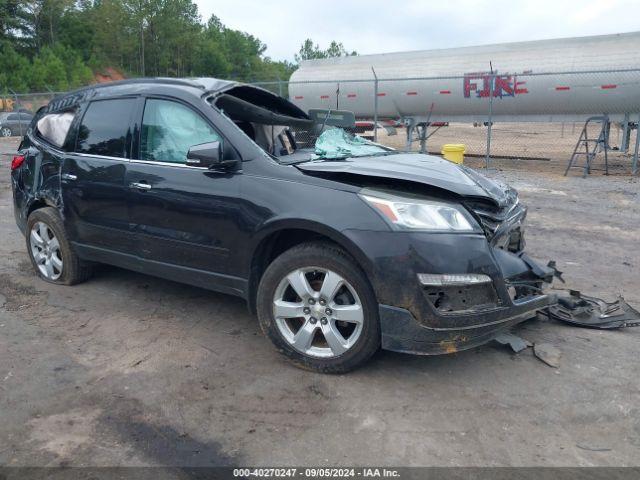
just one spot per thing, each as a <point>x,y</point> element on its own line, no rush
<point>426,169</point>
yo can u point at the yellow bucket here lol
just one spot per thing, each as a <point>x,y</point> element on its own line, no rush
<point>454,152</point>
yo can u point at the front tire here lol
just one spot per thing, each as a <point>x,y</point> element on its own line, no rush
<point>6,132</point>
<point>317,307</point>
<point>50,252</point>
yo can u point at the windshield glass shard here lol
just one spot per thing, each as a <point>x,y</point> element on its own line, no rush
<point>336,143</point>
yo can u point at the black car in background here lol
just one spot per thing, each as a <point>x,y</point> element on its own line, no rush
<point>14,123</point>
<point>339,249</point>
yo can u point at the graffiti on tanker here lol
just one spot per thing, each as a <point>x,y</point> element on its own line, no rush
<point>505,85</point>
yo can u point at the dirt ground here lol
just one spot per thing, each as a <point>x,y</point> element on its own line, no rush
<point>132,370</point>
<point>532,146</point>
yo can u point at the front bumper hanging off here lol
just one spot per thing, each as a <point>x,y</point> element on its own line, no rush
<point>462,329</point>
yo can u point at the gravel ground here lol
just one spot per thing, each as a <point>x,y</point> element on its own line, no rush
<point>541,146</point>
<point>132,370</point>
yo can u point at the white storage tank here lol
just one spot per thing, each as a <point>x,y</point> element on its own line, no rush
<point>529,83</point>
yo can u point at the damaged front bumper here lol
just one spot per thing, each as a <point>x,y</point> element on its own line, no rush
<point>442,293</point>
<point>402,332</point>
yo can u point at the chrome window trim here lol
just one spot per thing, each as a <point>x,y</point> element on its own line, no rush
<point>104,157</point>
<point>128,160</point>
<point>168,164</point>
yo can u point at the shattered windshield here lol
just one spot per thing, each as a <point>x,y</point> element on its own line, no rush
<point>337,143</point>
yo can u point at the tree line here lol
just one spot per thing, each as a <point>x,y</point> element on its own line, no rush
<point>60,44</point>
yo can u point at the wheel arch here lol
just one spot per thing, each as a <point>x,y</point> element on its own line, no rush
<point>282,235</point>
<point>38,203</point>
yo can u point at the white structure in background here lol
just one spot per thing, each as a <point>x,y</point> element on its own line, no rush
<point>530,82</point>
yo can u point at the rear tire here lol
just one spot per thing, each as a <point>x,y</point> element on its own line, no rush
<point>51,254</point>
<point>329,322</point>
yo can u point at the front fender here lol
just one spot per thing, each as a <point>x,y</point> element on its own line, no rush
<point>279,224</point>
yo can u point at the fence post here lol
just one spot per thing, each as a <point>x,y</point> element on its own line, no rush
<point>375,106</point>
<point>487,158</point>
<point>17,105</point>
<point>279,85</point>
<point>626,134</point>
<point>635,151</point>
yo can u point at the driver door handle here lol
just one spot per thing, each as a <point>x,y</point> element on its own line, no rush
<point>140,186</point>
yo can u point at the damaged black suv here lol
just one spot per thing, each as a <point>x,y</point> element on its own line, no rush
<point>340,246</point>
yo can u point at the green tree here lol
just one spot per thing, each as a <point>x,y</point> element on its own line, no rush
<point>48,72</point>
<point>310,51</point>
<point>16,23</point>
<point>58,44</point>
<point>15,69</point>
<point>76,29</point>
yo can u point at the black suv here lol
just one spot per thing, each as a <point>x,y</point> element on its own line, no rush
<point>340,249</point>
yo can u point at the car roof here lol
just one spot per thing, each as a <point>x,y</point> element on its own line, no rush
<point>204,84</point>
<point>195,86</point>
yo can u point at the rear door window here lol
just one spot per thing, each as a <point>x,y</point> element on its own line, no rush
<point>105,128</point>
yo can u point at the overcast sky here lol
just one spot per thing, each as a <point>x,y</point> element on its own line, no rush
<point>377,26</point>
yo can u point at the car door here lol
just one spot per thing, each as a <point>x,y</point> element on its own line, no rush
<point>185,217</point>
<point>93,176</point>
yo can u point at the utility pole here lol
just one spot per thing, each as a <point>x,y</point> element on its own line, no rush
<point>491,88</point>
<point>142,38</point>
<point>375,106</point>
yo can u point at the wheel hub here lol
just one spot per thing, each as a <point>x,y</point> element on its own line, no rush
<point>318,312</point>
<point>45,249</point>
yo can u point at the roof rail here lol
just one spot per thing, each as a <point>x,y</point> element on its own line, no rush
<point>205,84</point>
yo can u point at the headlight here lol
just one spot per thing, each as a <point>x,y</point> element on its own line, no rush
<point>419,214</point>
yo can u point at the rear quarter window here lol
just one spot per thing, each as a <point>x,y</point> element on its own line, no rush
<point>104,129</point>
<point>54,127</point>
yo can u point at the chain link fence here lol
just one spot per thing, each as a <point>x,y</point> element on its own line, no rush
<point>17,110</point>
<point>537,117</point>
<point>528,117</point>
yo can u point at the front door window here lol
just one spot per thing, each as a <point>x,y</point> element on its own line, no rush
<point>169,129</point>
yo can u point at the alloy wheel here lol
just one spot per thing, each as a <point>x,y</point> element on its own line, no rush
<point>5,132</point>
<point>45,249</point>
<point>318,312</point>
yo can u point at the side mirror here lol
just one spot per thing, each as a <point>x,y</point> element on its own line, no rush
<point>206,155</point>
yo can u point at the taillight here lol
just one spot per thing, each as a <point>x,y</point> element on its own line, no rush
<point>17,161</point>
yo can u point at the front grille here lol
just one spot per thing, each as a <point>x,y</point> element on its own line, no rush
<point>501,225</point>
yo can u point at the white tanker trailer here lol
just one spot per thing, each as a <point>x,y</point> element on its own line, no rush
<point>529,83</point>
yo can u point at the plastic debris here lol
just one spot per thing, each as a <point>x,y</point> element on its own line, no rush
<point>516,343</point>
<point>591,312</point>
<point>548,354</point>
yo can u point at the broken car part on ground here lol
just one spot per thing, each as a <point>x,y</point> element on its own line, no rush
<point>591,312</point>
<point>340,248</point>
